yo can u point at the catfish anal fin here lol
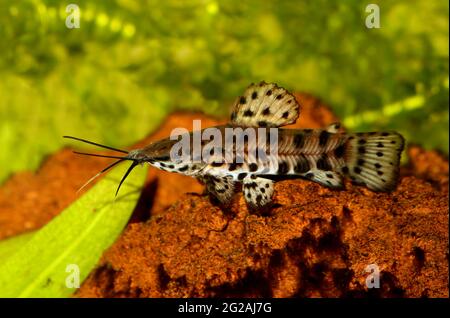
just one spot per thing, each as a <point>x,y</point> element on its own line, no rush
<point>330,179</point>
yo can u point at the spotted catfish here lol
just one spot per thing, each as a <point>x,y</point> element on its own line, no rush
<point>324,156</point>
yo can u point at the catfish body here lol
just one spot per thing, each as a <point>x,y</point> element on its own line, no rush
<point>324,156</point>
<point>321,155</point>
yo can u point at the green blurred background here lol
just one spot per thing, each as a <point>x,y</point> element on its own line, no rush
<point>132,62</point>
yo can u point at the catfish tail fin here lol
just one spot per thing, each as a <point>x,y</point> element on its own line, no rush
<point>373,159</point>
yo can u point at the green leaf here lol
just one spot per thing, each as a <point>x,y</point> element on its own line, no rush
<point>72,242</point>
<point>10,245</point>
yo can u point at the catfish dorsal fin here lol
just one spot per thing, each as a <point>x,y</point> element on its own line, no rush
<point>265,105</point>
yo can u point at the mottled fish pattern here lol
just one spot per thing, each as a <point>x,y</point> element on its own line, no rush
<point>324,156</point>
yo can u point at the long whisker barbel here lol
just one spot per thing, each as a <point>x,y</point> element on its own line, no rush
<point>134,164</point>
<point>102,156</point>
<point>100,173</point>
<point>121,159</point>
<point>95,144</point>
